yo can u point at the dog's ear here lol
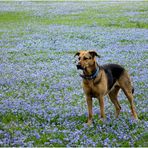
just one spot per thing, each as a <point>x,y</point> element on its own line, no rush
<point>77,54</point>
<point>94,53</point>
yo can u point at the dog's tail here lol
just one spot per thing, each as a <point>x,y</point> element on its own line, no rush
<point>133,90</point>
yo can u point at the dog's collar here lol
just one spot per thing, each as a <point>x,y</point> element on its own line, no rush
<point>92,76</point>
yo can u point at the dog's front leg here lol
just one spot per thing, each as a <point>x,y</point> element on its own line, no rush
<point>101,103</point>
<point>89,105</point>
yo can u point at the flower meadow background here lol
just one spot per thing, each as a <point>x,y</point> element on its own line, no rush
<point>41,99</point>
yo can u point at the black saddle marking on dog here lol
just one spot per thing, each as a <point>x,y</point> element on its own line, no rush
<point>113,73</point>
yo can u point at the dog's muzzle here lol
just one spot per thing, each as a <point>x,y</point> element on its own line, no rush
<point>79,67</point>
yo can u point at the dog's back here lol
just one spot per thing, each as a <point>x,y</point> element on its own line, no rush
<point>113,73</point>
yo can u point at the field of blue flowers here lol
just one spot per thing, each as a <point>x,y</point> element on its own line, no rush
<point>41,99</point>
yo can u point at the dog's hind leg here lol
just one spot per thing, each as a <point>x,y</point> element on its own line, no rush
<point>130,99</point>
<point>113,95</point>
<point>127,88</point>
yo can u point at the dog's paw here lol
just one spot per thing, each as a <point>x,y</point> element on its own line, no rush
<point>89,122</point>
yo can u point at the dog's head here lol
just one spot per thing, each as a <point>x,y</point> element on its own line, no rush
<point>86,59</point>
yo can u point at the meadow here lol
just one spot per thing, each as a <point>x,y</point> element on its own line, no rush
<point>41,98</point>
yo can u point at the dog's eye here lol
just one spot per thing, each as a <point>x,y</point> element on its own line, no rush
<point>79,58</point>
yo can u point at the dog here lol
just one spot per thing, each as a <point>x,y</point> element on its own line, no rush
<point>99,81</point>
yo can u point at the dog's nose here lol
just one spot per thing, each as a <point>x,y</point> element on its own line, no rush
<point>79,66</point>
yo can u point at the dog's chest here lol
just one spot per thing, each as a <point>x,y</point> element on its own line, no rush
<point>93,89</point>
<point>91,84</point>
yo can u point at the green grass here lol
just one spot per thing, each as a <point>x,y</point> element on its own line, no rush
<point>109,16</point>
<point>13,19</point>
<point>142,142</point>
<point>86,18</point>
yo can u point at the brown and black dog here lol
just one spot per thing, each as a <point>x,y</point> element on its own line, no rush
<point>99,81</point>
